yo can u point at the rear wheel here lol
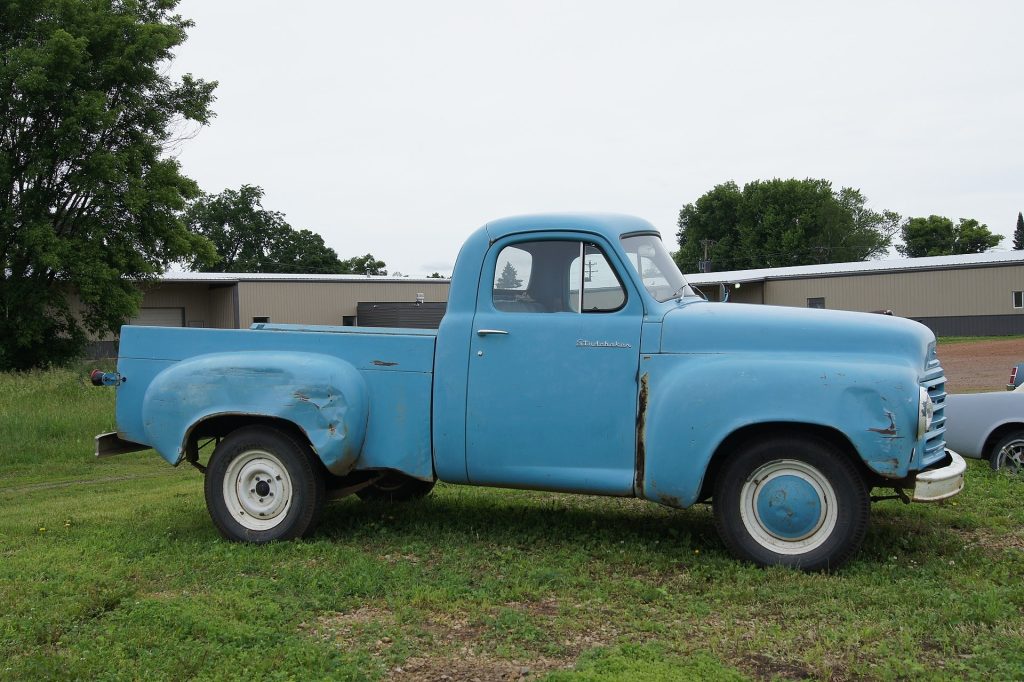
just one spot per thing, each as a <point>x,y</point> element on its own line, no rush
<point>791,502</point>
<point>1008,453</point>
<point>396,487</point>
<point>262,485</point>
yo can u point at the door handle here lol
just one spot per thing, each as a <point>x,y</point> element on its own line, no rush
<point>485,332</point>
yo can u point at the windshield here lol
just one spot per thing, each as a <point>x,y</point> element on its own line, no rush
<point>657,270</point>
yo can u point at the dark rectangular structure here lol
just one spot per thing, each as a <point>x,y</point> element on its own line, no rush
<point>407,315</point>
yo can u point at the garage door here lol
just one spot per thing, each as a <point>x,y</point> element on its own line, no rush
<point>160,317</point>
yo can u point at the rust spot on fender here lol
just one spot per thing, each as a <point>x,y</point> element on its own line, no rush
<point>891,429</point>
<point>302,397</point>
<point>332,428</point>
<point>382,363</point>
<point>641,434</point>
<point>670,501</point>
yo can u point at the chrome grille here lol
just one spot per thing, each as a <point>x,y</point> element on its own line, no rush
<point>934,381</point>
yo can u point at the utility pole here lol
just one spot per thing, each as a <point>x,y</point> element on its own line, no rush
<point>705,264</point>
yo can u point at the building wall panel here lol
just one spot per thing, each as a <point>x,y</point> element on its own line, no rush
<point>326,302</point>
<point>222,306</point>
<point>934,293</point>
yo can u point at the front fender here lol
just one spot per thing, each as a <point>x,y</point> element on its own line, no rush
<point>694,402</point>
<point>323,396</point>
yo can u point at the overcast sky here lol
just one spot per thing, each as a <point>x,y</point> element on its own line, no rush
<point>398,127</point>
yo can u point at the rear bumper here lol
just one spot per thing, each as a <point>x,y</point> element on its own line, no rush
<point>109,444</point>
<point>942,482</point>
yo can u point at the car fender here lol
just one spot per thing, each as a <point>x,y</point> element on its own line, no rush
<point>323,396</point>
<point>971,418</point>
<point>688,411</point>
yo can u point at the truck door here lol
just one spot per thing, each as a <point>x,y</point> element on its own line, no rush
<point>553,369</point>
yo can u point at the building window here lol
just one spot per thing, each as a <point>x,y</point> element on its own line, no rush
<point>348,320</point>
<point>816,302</point>
<point>1018,299</point>
<point>260,319</point>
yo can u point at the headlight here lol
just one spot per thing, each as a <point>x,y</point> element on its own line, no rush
<point>925,413</point>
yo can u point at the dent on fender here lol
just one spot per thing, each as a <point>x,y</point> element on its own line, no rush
<point>323,396</point>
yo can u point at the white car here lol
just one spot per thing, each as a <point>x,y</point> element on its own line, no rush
<point>988,425</point>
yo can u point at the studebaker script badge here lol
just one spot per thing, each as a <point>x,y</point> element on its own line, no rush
<point>583,343</point>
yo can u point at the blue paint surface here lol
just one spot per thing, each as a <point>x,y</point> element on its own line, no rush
<point>640,408</point>
<point>788,507</point>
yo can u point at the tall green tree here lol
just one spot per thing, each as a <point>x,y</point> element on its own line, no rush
<point>250,238</point>
<point>939,236</point>
<point>1018,233</point>
<point>364,265</point>
<point>89,200</point>
<point>773,223</point>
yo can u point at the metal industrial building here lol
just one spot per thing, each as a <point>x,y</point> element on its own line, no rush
<point>967,295</point>
<point>236,301</point>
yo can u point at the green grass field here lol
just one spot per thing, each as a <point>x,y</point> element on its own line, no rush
<point>112,570</point>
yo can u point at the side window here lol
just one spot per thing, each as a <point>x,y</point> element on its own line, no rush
<point>546,277</point>
<point>602,290</point>
<point>514,288</point>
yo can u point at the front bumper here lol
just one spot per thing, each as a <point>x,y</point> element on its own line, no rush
<point>943,482</point>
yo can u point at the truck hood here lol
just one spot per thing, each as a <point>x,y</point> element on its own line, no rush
<point>703,327</point>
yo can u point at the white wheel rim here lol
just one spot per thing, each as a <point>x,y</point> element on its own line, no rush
<point>1011,456</point>
<point>257,490</point>
<point>816,527</point>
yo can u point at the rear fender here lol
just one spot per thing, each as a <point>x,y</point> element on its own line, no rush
<point>323,396</point>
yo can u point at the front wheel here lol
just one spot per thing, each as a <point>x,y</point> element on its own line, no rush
<point>262,485</point>
<point>1008,454</point>
<point>791,502</point>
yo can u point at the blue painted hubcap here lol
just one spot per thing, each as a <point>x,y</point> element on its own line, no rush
<point>789,507</point>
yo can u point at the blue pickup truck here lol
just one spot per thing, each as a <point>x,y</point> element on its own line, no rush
<point>573,357</point>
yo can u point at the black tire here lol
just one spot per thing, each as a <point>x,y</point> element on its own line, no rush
<point>1008,454</point>
<point>262,485</point>
<point>791,501</point>
<point>396,487</point>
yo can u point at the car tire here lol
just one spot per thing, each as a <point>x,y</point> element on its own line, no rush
<point>263,485</point>
<point>797,502</point>
<point>1008,453</point>
<point>396,487</point>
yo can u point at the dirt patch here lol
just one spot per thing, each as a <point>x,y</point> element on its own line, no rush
<point>341,627</point>
<point>979,365</point>
<point>763,667</point>
<point>989,541</point>
<point>468,670</point>
<point>459,647</point>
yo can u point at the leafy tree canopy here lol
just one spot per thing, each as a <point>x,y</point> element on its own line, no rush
<point>88,199</point>
<point>250,238</point>
<point>1018,233</point>
<point>365,265</point>
<point>775,223</point>
<point>938,236</point>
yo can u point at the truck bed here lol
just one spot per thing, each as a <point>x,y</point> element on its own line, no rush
<point>397,365</point>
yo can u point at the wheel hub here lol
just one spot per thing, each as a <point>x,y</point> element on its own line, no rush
<point>257,490</point>
<point>788,506</point>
